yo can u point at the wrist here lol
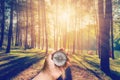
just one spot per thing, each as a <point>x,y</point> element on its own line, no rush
<point>48,74</point>
<point>44,75</point>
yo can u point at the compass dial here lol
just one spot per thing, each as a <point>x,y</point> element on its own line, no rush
<point>59,58</point>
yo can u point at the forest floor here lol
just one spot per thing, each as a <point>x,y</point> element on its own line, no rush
<point>24,65</point>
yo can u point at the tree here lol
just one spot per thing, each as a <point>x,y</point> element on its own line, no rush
<point>26,35</point>
<point>39,30</point>
<point>32,25</point>
<point>17,26</point>
<point>104,33</point>
<point>74,32</point>
<point>2,3</point>
<point>111,28</point>
<point>45,26</point>
<point>10,28</point>
<point>46,33</point>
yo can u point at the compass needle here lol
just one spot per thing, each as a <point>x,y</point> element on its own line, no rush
<point>59,58</point>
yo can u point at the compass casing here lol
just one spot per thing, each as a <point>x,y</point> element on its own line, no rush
<point>59,58</point>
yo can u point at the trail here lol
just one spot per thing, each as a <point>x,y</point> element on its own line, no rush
<point>77,73</point>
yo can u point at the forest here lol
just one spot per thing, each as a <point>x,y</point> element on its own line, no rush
<point>88,30</point>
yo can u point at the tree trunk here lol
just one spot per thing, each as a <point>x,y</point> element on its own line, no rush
<point>17,28</point>
<point>43,25</point>
<point>74,36</point>
<point>54,39</point>
<point>46,35</point>
<point>96,27</point>
<point>26,34</point>
<point>10,29</point>
<point>39,30</point>
<point>104,35</point>
<point>111,28</point>
<point>101,18</point>
<point>31,26</point>
<point>2,23</point>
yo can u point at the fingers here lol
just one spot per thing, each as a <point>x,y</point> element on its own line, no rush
<point>49,55</point>
<point>51,62</point>
<point>68,63</point>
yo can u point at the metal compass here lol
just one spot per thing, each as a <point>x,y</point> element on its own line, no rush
<point>59,58</point>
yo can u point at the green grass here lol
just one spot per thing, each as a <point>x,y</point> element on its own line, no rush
<point>92,64</point>
<point>117,54</point>
<point>17,61</point>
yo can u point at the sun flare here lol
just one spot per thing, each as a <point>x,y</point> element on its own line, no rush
<point>64,16</point>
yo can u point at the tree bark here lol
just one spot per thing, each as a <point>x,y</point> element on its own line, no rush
<point>111,28</point>
<point>3,22</point>
<point>26,29</point>
<point>10,29</point>
<point>104,29</point>
<point>46,35</point>
<point>17,27</point>
<point>39,30</point>
<point>31,26</point>
<point>43,25</point>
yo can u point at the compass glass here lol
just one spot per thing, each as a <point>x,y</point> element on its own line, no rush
<point>59,58</point>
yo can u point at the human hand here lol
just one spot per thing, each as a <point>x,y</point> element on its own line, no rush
<point>50,71</point>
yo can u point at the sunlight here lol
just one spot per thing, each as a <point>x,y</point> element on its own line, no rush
<point>64,16</point>
<point>87,20</point>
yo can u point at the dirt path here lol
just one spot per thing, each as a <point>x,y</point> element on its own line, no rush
<point>29,73</point>
<point>77,73</point>
<point>81,74</point>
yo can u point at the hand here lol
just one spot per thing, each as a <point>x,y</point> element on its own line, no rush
<point>50,71</point>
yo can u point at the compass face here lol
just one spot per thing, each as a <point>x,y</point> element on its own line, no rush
<point>59,58</point>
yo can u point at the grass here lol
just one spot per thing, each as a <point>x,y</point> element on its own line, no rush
<point>11,65</point>
<point>17,61</point>
<point>92,64</point>
<point>117,54</point>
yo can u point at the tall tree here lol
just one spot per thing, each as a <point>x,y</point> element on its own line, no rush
<point>111,28</point>
<point>17,26</point>
<point>26,35</point>
<point>101,18</point>
<point>39,30</point>
<point>32,24</point>
<point>10,28</point>
<point>2,3</point>
<point>45,26</point>
<point>104,29</point>
<point>74,32</point>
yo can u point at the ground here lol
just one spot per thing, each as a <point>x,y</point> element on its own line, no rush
<point>24,65</point>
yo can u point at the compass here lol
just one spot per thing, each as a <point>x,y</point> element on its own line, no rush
<point>59,58</point>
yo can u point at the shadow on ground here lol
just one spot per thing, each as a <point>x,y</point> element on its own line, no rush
<point>114,75</point>
<point>15,65</point>
<point>87,69</point>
